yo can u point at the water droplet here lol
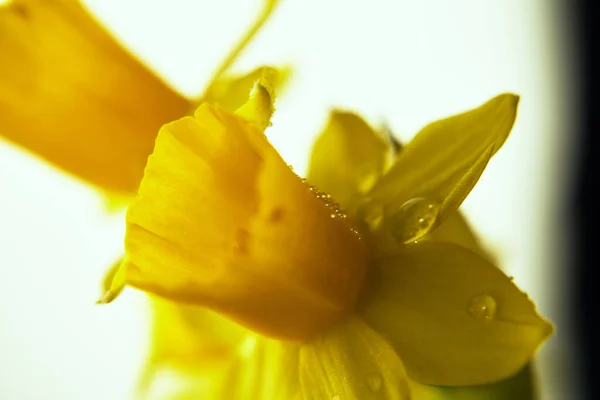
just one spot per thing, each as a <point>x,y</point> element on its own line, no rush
<point>482,306</point>
<point>336,397</point>
<point>375,382</point>
<point>414,219</point>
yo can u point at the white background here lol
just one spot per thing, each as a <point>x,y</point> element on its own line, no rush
<point>400,61</point>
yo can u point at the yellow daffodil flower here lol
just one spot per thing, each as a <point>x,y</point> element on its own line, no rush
<point>351,298</point>
<point>72,95</point>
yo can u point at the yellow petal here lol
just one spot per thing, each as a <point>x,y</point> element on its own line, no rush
<point>222,221</point>
<point>191,340</point>
<point>113,283</point>
<point>351,362</point>
<point>454,318</point>
<point>347,158</point>
<point>265,369</point>
<point>231,92</point>
<point>259,108</point>
<point>73,96</point>
<point>456,229</point>
<point>262,369</point>
<point>440,166</point>
<point>519,387</point>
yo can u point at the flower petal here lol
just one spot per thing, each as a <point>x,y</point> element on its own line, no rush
<point>454,318</point>
<point>456,229</point>
<point>259,108</point>
<point>519,387</point>
<point>265,369</point>
<point>70,94</point>
<point>351,362</point>
<point>231,91</point>
<point>222,221</point>
<point>113,283</point>
<point>347,158</point>
<point>191,339</point>
<point>442,164</point>
<point>219,86</point>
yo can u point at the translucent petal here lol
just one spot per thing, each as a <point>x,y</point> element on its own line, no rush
<point>231,91</point>
<point>456,229</point>
<point>347,158</point>
<point>189,339</point>
<point>262,369</point>
<point>259,108</point>
<point>221,221</point>
<point>445,159</point>
<point>351,362</point>
<point>73,96</point>
<point>265,369</point>
<point>113,283</point>
<point>454,318</point>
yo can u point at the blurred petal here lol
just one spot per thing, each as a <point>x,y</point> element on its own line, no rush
<point>347,158</point>
<point>351,362</point>
<point>231,92</point>
<point>519,387</point>
<point>221,221</point>
<point>440,166</point>
<point>220,76</point>
<point>113,283</point>
<point>73,96</point>
<point>265,369</point>
<point>454,318</point>
<point>262,369</point>
<point>190,339</point>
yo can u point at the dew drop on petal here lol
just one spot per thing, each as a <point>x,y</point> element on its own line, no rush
<point>482,306</point>
<point>375,382</point>
<point>414,219</point>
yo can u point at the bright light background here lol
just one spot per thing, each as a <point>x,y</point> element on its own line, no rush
<point>402,62</point>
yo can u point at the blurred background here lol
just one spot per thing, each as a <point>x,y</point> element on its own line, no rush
<point>402,63</point>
